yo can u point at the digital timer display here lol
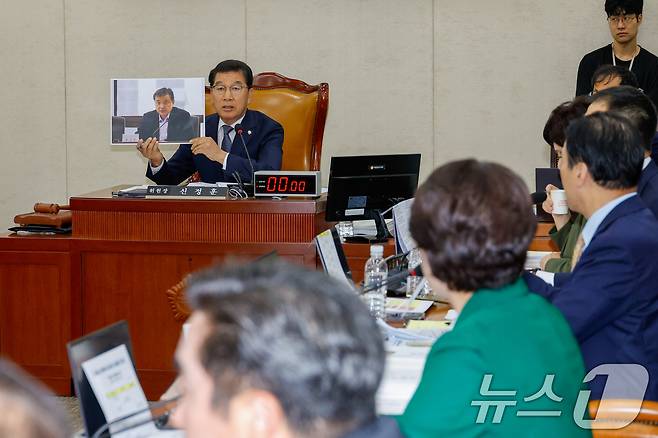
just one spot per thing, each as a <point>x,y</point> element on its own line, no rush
<point>282,183</point>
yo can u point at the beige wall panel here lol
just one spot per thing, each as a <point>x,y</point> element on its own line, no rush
<point>376,56</point>
<point>501,67</point>
<point>32,138</point>
<point>125,38</point>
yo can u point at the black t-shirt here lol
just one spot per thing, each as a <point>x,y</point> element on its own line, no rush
<point>645,68</point>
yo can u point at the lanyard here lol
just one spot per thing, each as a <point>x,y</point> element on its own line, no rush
<point>614,59</point>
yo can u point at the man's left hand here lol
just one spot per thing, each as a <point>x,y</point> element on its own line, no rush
<point>208,147</point>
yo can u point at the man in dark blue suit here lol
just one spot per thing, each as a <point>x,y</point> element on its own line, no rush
<point>633,104</point>
<point>610,299</point>
<point>221,155</point>
<point>166,122</point>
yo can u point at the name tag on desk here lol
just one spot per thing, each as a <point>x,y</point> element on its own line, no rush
<point>187,192</point>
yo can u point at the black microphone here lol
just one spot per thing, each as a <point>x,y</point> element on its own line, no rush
<point>538,197</point>
<point>239,131</point>
<point>159,127</point>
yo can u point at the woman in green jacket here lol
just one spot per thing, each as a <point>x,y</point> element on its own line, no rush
<point>510,366</point>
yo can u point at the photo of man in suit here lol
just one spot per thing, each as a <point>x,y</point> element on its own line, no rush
<point>231,132</point>
<point>610,299</point>
<point>166,123</point>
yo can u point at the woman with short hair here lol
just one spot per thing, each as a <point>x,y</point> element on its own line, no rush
<point>473,223</point>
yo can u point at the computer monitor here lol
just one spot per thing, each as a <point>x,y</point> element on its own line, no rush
<point>362,187</point>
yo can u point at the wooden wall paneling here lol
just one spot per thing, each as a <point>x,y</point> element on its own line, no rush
<point>195,227</point>
<point>358,253</point>
<point>542,240</point>
<point>35,314</point>
<point>129,280</point>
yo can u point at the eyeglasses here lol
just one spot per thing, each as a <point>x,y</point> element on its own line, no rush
<point>234,89</point>
<point>616,19</point>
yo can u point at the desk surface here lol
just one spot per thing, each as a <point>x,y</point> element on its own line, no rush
<point>102,200</point>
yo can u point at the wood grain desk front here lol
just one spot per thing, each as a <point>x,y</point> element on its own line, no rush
<point>123,256</point>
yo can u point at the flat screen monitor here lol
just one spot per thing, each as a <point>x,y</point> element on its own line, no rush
<point>362,185</point>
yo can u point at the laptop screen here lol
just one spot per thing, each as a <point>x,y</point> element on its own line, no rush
<point>84,349</point>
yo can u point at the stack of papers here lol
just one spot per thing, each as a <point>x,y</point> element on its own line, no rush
<point>402,308</point>
<point>407,350</point>
<point>368,227</point>
<point>401,217</point>
<point>533,258</point>
<point>404,368</point>
<point>327,244</point>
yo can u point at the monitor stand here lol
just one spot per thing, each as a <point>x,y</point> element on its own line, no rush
<point>382,232</point>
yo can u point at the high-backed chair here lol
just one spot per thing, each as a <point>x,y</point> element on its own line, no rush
<point>299,107</point>
<point>611,411</point>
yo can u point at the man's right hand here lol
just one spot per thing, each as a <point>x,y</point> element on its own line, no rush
<point>559,219</point>
<point>150,149</point>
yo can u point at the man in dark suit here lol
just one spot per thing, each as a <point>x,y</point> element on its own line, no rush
<point>633,104</point>
<point>222,153</point>
<point>275,350</point>
<point>166,122</point>
<point>610,299</point>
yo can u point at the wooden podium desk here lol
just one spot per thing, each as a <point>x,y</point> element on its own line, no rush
<point>122,258</point>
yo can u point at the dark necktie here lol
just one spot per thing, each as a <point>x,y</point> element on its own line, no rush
<point>227,144</point>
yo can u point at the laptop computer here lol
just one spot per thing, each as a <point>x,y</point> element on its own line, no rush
<point>89,347</point>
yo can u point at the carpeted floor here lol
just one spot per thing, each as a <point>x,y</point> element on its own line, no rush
<point>72,408</point>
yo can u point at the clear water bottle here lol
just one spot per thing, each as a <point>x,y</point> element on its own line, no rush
<point>376,272</point>
<point>414,260</point>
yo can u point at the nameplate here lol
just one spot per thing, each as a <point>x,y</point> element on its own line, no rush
<point>185,192</point>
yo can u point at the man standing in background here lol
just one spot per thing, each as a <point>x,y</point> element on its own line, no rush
<point>624,20</point>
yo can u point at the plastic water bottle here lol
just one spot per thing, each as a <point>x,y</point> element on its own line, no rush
<point>414,260</point>
<point>376,272</point>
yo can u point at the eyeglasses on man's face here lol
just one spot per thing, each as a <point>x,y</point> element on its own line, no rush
<point>616,19</point>
<point>234,89</point>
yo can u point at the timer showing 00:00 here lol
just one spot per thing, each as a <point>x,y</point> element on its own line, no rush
<point>282,184</point>
<point>302,183</point>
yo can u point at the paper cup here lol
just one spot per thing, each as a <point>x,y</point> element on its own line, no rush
<point>559,198</point>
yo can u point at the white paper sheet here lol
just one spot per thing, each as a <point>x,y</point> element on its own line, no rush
<point>404,368</point>
<point>329,257</point>
<point>401,218</point>
<point>113,379</point>
<point>533,258</point>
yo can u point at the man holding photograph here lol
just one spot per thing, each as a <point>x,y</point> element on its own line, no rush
<point>166,122</point>
<point>222,153</point>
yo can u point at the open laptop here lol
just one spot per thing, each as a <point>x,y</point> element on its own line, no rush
<point>88,348</point>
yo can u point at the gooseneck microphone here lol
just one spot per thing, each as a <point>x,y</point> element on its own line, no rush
<point>538,197</point>
<point>239,130</point>
<point>416,272</point>
<point>166,122</point>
